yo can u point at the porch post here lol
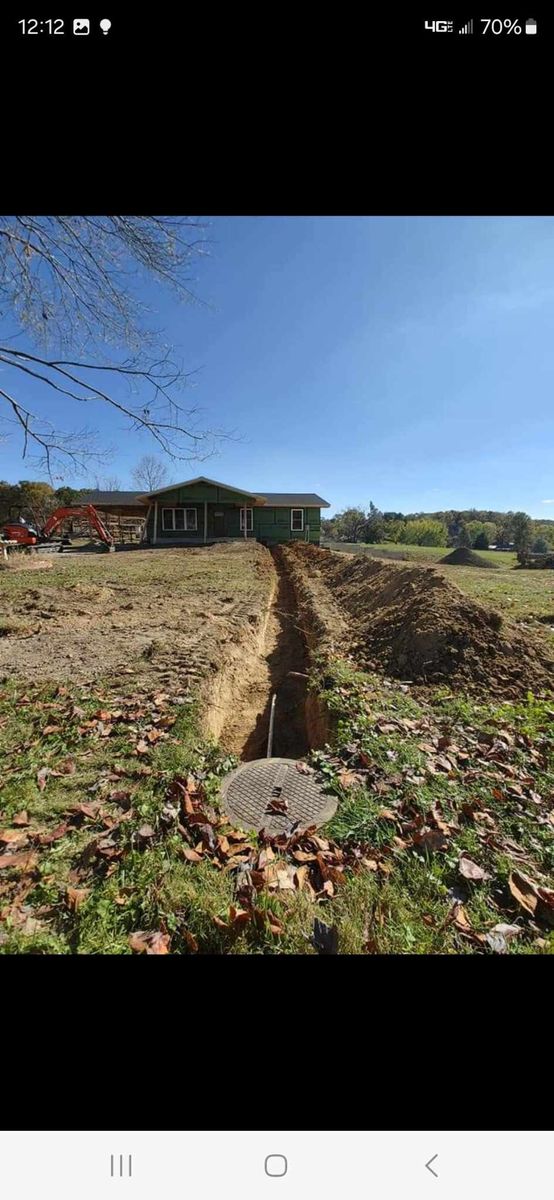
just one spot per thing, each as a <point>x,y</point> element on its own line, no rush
<point>155,537</point>
<point>245,523</point>
<point>205,520</point>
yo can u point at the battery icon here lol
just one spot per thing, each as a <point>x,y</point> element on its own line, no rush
<point>530,26</point>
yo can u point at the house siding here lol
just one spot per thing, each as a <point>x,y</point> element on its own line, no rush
<point>271,523</point>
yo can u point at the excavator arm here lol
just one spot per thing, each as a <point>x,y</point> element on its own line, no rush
<point>84,510</point>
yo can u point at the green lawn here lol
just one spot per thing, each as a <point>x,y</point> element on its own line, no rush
<point>416,553</point>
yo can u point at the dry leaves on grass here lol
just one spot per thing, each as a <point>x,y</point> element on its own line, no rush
<point>150,943</point>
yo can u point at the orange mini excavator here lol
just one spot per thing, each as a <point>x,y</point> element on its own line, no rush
<point>25,535</point>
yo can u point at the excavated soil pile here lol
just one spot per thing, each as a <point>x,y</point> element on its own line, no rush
<point>463,557</point>
<point>419,627</point>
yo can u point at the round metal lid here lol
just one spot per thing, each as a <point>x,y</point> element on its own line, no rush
<point>276,794</point>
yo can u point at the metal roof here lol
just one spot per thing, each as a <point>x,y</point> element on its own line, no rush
<point>99,497</point>
<point>302,499</point>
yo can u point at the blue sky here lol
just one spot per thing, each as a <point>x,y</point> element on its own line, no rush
<point>408,361</point>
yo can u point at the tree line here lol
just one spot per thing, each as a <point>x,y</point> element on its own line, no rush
<point>475,528</point>
<point>35,500</point>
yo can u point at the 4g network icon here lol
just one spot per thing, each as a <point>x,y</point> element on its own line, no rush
<point>440,26</point>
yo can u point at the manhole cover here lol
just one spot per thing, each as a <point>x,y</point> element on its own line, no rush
<point>273,794</point>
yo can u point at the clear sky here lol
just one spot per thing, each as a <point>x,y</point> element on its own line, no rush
<point>408,361</point>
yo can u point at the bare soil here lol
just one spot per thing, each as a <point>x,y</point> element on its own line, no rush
<point>464,557</point>
<point>168,617</point>
<point>412,623</point>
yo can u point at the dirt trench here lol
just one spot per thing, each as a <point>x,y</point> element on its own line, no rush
<point>274,662</point>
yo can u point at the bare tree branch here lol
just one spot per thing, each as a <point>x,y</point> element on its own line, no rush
<point>72,285</point>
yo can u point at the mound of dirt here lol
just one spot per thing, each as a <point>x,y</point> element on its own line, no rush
<point>463,557</point>
<point>414,624</point>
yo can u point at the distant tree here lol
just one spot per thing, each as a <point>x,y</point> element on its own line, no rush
<point>375,525</point>
<point>350,525</point>
<point>464,537</point>
<point>393,528</point>
<point>424,532</point>
<point>36,501</point>
<point>68,496</point>
<point>540,546</point>
<point>149,473</point>
<point>481,541</point>
<point>328,527</point>
<point>454,526</point>
<point>108,483</point>
<point>522,530</point>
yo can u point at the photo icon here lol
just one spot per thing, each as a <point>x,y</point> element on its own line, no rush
<point>81,25</point>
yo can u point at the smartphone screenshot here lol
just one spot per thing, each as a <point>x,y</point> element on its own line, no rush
<point>276,541</point>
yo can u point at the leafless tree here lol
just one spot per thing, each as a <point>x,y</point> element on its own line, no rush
<point>149,473</point>
<point>75,325</point>
<point>108,483</point>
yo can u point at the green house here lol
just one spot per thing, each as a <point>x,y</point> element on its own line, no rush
<point>203,510</point>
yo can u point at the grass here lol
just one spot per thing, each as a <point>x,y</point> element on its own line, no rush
<point>402,904</point>
<point>502,558</point>
<point>67,745</point>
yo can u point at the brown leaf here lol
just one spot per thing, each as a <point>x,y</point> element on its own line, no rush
<point>51,729</point>
<point>154,735</point>
<point>102,715</point>
<point>524,891</point>
<point>87,810</point>
<point>387,814</point>
<point>76,897</point>
<point>60,831</point>
<point>12,835</point>
<point>141,747</point>
<point>431,839</point>
<point>192,856</point>
<point>149,943</point>
<point>460,918</point>
<point>119,797</point>
<point>21,818</point>
<point>348,778</point>
<point>471,870</point>
<point>25,861</point>
<point>304,768</point>
<point>190,940</point>
<point>42,776</point>
<point>302,856</point>
<point>146,832</point>
<point>67,767</point>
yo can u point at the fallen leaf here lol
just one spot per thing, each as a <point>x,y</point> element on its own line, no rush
<point>471,870</point>
<point>12,835</point>
<point>190,940</point>
<point>48,729</point>
<point>20,862</point>
<point>67,767</point>
<point>149,943</point>
<point>524,891</point>
<point>76,897</point>
<point>20,818</point>
<point>42,776</point>
<point>60,831</point>
<point>192,856</point>
<point>141,747</point>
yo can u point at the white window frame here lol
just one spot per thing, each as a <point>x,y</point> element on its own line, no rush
<point>294,528</point>
<point>249,520</point>
<point>188,527</point>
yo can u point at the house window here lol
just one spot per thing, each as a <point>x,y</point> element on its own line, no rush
<point>297,519</point>
<point>179,519</point>
<point>249,521</point>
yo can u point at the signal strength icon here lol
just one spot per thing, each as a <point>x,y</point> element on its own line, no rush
<point>467,28</point>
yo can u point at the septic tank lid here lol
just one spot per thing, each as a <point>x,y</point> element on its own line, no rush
<point>276,794</point>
